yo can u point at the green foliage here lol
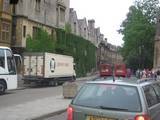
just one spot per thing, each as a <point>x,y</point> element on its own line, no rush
<point>138,31</point>
<point>41,42</point>
<point>68,28</point>
<point>82,50</point>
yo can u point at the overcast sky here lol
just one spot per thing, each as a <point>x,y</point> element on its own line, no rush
<point>108,15</point>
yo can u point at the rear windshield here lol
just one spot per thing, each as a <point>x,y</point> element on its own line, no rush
<point>118,97</point>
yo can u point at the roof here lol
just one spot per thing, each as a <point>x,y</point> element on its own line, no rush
<point>131,82</point>
<point>3,47</point>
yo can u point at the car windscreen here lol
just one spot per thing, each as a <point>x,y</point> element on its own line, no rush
<point>118,97</point>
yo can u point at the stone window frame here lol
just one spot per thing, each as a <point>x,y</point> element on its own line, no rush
<point>60,17</point>
<point>5,31</point>
<point>24,30</point>
<point>38,5</point>
<point>6,6</point>
<point>62,14</point>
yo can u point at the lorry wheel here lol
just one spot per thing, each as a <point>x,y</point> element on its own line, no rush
<point>2,88</point>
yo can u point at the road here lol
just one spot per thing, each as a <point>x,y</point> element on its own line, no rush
<point>17,100</point>
<point>29,94</point>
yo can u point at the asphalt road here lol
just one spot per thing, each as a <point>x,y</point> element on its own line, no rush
<point>29,94</point>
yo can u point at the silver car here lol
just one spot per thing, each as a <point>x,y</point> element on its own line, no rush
<point>117,100</point>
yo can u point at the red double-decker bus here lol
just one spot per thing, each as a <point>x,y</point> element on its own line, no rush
<point>105,70</point>
<point>120,70</point>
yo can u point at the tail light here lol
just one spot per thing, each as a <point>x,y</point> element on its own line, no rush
<point>142,117</point>
<point>69,113</point>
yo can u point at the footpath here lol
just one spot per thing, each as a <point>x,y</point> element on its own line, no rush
<point>38,108</point>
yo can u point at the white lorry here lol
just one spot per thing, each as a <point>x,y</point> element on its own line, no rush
<point>47,68</point>
<point>8,74</point>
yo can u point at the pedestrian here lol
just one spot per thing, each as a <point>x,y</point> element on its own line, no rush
<point>158,74</point>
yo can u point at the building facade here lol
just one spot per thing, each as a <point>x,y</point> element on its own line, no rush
<point>156,60</point>
<point>5,23</point>
<point>30,15</point>
<point>108,53</point>
<point>73,21</point>
<point>83,28</point>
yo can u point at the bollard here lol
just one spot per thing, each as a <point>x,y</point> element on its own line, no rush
<point>70,89</point>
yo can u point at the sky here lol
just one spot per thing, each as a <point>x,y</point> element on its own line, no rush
<point>108,15</point>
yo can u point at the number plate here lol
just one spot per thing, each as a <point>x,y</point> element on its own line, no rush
<point>97,118</point>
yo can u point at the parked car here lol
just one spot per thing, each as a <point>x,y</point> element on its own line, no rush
<point>117,100</point>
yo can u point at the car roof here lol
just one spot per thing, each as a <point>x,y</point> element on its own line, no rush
<point>138,82</point>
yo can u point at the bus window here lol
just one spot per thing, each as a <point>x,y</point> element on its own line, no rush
<point>2,56</point>
<point>18,61</point>
<point>11,64</point>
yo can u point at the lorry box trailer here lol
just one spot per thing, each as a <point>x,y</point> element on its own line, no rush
<point>48,68</point>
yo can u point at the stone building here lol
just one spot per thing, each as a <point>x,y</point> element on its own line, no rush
<point>5,22</point>
<point>98,36</point>
<point>83,28</point>
<point>91,30</point>
<point>108,53</point>
<point>30,15</point>
<point>73,21</point>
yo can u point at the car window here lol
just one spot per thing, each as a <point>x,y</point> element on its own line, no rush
<point>157,90</point>
<point>108,95</point>
<point>151,96</point>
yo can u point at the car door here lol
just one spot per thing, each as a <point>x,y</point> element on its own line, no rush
<point>152,101</point>
<point>157,107</point>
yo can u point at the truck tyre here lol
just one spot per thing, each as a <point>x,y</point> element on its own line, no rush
<point>2,87</point>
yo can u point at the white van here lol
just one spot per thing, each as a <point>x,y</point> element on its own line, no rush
<point>8,74</point>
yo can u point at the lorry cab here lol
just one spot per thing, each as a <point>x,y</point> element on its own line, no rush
<point>8,74</point>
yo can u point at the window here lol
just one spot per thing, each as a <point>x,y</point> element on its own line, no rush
<point>38,5</point>
<point>35,31</point>
<point>6,6</point>
<point>75,27</point>
<point>151,96</point>
<point>11,63</point>
<point>5,32</point>
<point>2,60</point>
<point>62,15</point>
<point>157,90</point>
<point>108,95</point>
<point>24,31</point>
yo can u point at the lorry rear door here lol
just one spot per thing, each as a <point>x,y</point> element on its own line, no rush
<point>33,65</point>
<point>30,65</point>
<point>40,66</point>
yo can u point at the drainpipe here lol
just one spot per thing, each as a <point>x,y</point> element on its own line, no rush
<point>14,22</point>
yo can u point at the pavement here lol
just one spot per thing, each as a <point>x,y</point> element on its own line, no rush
<point>37,109</point>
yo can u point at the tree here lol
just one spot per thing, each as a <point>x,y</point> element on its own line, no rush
<point>138,31</point>
<point>40,42</point>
